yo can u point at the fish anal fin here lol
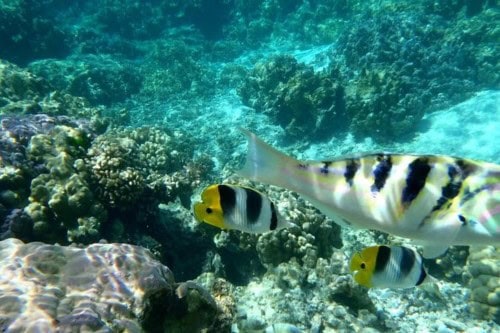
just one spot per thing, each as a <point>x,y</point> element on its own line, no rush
<point>434,251</point>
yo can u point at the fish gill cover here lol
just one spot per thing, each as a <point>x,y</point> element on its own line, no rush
<point>115,115</point>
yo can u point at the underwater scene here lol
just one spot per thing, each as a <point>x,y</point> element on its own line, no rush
<point>250,166</point>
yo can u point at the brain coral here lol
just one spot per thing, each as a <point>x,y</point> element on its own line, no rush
<point>101,288</point>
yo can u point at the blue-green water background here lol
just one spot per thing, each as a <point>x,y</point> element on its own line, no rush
<point>317,79</point>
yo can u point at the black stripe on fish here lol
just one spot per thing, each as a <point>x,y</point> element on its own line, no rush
<point>468,195</point>
<point>465,167</point>
<point>274,218</point>
<point>423,275</point>
<point>451,189</point>
<point>415,181</point>
<point>253,205</point>
<point>324,168</point>
<point>227,199</point>
<point>351,168</point>
<point>407,261</point>
<point>383,256</point>
<point>381,172</point>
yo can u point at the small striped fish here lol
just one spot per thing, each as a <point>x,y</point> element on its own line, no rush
<point>240,208</point>
<point>389,267</point>
<point>437,201</point>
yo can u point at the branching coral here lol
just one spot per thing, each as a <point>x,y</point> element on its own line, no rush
<point>126,165</point>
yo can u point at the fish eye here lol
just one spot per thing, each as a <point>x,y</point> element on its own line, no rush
<point>363,265</point>
<point>208,210</point>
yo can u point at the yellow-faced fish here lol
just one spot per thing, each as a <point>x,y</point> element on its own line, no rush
<point>237,207</point>
<point>437,201</point>
<point>389,267</point>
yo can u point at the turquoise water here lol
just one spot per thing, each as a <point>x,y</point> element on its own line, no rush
<point>117,114</point>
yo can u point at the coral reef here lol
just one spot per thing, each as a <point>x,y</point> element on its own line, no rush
<point>101,80</point>
<point>29,31</point>
<point>384,104</point>
<point>125,164</point>
<point>327,298</point>
<point>37,154</point>
<point>202,307</point>
<point>61,201</point>
<point>483,272</point>
<point>305,103</point>
<point>17,84</point>
<point>60,182</point>
<point>104,287</point>
<point>173,71</point>
<point>396,72</point>
<point>315,237</point>
<point>22,92</point>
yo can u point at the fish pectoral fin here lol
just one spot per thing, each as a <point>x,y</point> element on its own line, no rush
<point>434,251</point>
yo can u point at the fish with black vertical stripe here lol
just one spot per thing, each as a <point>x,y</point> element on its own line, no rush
<point>240,208</point>
<point>435,200</point>
<point>383,266</point>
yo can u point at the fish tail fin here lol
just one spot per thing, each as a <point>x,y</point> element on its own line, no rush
<point>264,163</point>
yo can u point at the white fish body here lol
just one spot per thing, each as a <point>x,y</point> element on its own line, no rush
<point>437,201</point>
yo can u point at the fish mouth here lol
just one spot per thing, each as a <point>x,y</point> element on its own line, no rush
<point>198,209</point>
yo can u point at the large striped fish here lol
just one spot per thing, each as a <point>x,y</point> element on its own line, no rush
<point>437,201</point>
